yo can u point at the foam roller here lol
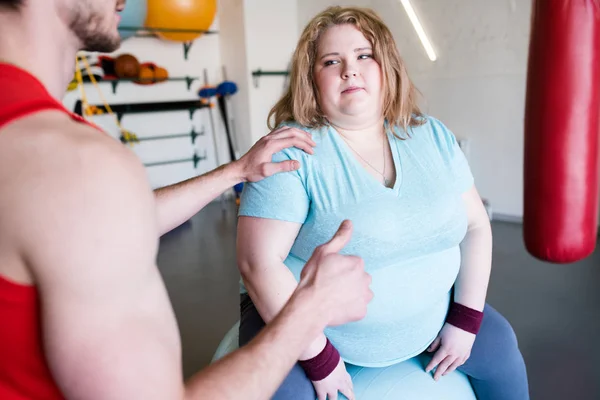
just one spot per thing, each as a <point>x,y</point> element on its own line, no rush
<point>560,221</point>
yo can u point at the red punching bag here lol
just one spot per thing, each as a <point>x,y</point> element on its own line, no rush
<point>561,130</point>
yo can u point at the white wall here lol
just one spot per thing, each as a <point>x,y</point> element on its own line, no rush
<point>271,36</point>
<point>477,85</point>
<point>234,56</point>
<point>205,53</point>
<point>253,34</point>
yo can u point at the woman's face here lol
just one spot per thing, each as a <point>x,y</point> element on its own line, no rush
<point>348,79</point>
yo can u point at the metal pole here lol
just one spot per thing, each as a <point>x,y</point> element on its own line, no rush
<point>214,136</point>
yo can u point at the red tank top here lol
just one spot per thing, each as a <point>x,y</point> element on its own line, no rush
<point>24,373</point>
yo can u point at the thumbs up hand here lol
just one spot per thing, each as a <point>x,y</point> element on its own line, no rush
<point>339,282</point>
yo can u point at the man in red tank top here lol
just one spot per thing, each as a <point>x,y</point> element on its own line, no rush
<point>83,310</point>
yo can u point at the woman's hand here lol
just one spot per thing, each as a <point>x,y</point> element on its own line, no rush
<point>338,380</point>
<point>453,346</point>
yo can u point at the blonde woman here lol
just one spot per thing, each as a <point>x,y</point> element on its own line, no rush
<point>419,223</point>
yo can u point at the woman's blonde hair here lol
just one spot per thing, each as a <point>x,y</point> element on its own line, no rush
<point>299,103</point>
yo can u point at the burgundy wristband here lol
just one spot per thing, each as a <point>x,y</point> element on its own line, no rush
<point>323,364</point>
<point>464,318</point>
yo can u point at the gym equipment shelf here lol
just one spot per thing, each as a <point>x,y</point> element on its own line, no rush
<point>195,159</point>
<point>187,79</point>
<point>259,72</point>
<point>149,32</point>
<point>193,134</point>
<point>136,108</point>
<point>143,29</point>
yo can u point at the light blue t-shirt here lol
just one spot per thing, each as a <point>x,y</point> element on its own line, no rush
<point>408,235</point>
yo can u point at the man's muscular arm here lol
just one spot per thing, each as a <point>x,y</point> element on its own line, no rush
<point>333,290</point>
<point>88,233</point>
<point>85,217</point>
<point>179,202</point>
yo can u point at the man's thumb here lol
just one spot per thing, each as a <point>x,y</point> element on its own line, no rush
<point>341,237</point>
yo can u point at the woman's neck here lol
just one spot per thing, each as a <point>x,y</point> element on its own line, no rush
<point>363,134</point>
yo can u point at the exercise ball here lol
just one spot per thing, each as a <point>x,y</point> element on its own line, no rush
<point>134,15</point>
<point>146,76</point>
<point>161,74</point>
<point>406,380</point>
<point>127,66</point>
<point>181,14</point>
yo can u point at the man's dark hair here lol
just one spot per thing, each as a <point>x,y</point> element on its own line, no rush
<point>14,4</point>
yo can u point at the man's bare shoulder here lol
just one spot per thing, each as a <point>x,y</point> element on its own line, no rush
<point>56,173</point>
<point>54,137</point>
<point>50,149</point>
<point>50,155</point>
<point>78,210</point>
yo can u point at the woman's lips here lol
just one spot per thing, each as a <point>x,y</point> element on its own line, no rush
<point>352,89</point>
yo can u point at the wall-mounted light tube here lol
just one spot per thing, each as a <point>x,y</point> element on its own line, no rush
<point>419,29</point>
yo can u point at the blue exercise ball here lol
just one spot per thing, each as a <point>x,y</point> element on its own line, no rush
<point>134,15</point>
<point>406,380</point>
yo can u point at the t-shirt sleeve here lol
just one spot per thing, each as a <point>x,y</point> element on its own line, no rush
<point>282,196</point>
<point>452,155</point>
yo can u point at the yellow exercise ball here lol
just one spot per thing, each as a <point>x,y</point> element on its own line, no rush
<point>181,14</point>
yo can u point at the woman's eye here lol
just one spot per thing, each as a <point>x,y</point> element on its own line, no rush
<point>365,56</point>
<point>330,62</point>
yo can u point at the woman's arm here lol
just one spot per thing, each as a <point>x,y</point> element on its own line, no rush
<point>453,345</point>
<point>471,285</point>
<point>262,246</point>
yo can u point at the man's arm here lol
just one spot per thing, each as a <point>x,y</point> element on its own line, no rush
<point>262,246</point>
<point>260,367</point>
<point>333,290</point>
<point>108,328</point>
<point>88,233</point>
<point>179,202</point>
